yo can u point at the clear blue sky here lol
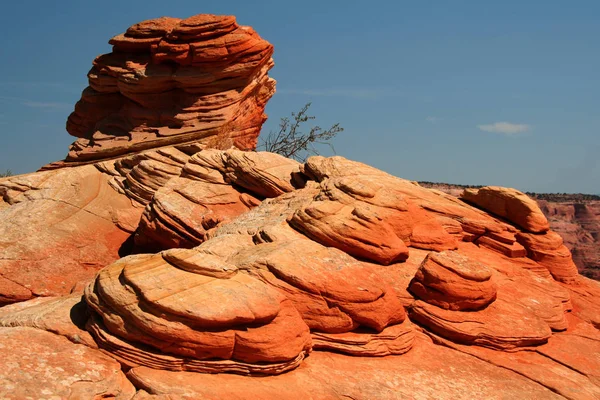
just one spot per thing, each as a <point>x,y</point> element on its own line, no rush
<point>474,92</point>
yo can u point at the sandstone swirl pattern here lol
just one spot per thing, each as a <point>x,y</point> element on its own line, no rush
<point>161,255</point>
<point>335,274</point>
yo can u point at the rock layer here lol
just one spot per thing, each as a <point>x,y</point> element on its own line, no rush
<point>197,308</point>
<point>213,187</point>
<point>578,222</point>
<point>57,229</point>
<point>170,81</point>
<point>427,371</point>
<point>452,281</point>
<point>501,326</point>
<point>548,250</point>
<point>510,204</point>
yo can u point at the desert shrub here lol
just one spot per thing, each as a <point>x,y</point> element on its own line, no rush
<point>293,141</point>
<point>6,173</point>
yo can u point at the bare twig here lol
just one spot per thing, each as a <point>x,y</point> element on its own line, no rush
<point>291,142</point>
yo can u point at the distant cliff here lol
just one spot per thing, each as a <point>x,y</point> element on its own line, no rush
<point>576,217</point>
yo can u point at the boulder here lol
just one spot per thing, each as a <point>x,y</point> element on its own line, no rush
<point>511,204</point>
<point>454,282</point>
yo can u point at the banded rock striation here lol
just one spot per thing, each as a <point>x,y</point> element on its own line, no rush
<point>268,283</point>
<point>578,223</point>
<point>335,275</point>
<point>327,279</point>
<point>575,217</point>
<point>194,310</point>
<point>169,88</point>
<point>170,81</point>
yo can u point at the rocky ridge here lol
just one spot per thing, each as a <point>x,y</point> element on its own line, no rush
<point>179,271</point>
<point>575,217</point>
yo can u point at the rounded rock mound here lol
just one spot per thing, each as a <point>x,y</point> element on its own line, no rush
<point>180,311</point>
<point>454,282</point>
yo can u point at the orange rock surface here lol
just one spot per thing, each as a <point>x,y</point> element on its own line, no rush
<point>57,228</point>
<point>510,204</point>
<point>165,269</point>
<point>170,81</point>
<point>452,281</point>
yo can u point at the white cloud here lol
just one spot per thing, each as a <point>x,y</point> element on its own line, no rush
<point>505,128</point>
<point>50,106</point>
<point>46,105</point>
<point>431,119</point>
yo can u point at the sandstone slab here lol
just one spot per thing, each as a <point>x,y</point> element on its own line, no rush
<point>59,229</point>
<point>38,364</point>
<point>452,281</point>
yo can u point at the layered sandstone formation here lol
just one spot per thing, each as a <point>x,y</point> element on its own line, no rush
<point>267,263</point>
<point>171,81</point>
<point>510,204</point>
<point>188,272</point>
<point>576,218</point>
<point>452,281</point>
<point>57,229</point>
<point>169,88</point>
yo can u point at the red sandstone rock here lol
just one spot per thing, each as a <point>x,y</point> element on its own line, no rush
<point>431,235</point>
<point>578,222</point>
<point>171,81</point>
<point>139,176</point>
<point>427,371</point>
<point>358,230</point>
<point>196,308</point>
<point>214,187</point>
<point>512,250</point>
<point>57,229</point>
<point>560,372</point>
<point>65,316</point>
<point>501,325</point>
<point>393,340</point>
<point>274,283</point>
<point>452,281</point>
<point>38,364</point>
<point>549,251</point>
<point>510,204</point>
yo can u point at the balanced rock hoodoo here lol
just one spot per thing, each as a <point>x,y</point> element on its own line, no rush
<point>170,81</point>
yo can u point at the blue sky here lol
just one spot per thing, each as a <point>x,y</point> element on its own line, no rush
<point>473,92</point>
